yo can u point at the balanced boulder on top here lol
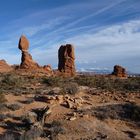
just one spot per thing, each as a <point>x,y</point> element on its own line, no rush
<point>26,59</point>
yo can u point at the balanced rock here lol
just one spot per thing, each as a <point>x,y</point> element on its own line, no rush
<point>4,67</point>
<point>26,59</point>
<point>66,58</point>
<point>23,43</point>
<point>119,71</point>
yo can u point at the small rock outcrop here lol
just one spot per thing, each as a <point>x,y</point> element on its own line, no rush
<point>4,67</point>
<point>119,71</point>
<point>26,59</point>
<point>48,69</point>
<point>66,58</point>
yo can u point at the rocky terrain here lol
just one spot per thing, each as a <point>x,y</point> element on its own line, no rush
<point>38,107</point>
<point>39,103</point>
<point>4,67</point>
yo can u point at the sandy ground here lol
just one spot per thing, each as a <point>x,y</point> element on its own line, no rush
<point>84,126</point>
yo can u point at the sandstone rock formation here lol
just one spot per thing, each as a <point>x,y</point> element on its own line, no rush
<point>23,43</point>
<point>119,71</point>
<point>47,68</point>
<point>4,67</point>
<point>26,59</point>
<point>66,58</point>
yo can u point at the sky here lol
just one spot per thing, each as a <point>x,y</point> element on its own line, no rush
<point>103,32</point>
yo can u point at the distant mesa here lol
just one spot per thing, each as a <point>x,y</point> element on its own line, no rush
<point>26,59</point>
<point>4,67</point>
<point>66,60</point>
<point>119,71</point>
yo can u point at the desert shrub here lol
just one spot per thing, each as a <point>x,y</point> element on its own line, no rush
<point>32,134</point>
<point>14,107</point>
<point>8,136</point>
<point>104,83</point>
<point>70,88</point>
<point>56,128</point>
<point>2,98</point>
<point>135,115</point>
<point>57,81</point>
<point>3,107</point>
<point>28,101</point>
<point>11,81</point>
<point>109,84</point>
<point>2,117</point>
<point>119,111</point>
<point>85,81</point>
<point>52,81</point>
<point>132,84</point>
<point>56,123</point>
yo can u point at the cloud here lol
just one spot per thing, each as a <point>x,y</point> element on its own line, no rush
<point>114,35</point>
<point>113,43</point>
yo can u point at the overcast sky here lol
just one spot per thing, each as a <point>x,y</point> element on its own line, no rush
<point>104,32</point>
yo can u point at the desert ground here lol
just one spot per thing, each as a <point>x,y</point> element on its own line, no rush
<point>98,107</point>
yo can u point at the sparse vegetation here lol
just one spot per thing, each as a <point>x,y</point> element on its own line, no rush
<point>14,107</point>
<point>52,81</point>
<point>70,88</point>
<point>125,112</point>
<point>8,136</point>
<point>39,91</point>
<point>56,128</point>
<point>11,81</point>
<point>32,134</point>
<point>2,117</point>
<point>85,81</point>
<point>110,84</point>
<point>2,98</point>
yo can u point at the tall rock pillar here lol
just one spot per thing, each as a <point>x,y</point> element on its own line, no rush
<point>66,58</point>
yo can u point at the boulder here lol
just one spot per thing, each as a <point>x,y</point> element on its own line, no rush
<point>48,69</point>
<point>23,43</point>
<point>66,58</point>
<point>119,71</point>
<point>69,104</point>
<point>4,67</point>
